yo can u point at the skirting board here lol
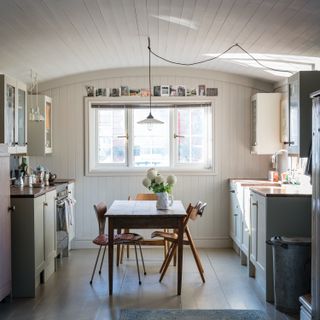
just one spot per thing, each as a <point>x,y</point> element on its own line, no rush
<point>203,243</point>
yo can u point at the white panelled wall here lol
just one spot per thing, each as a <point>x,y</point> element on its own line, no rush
<point>231,140</point>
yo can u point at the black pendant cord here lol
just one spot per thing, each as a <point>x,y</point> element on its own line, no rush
<point>209,59</point>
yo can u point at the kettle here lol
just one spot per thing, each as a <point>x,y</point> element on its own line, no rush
<point>52,177</point>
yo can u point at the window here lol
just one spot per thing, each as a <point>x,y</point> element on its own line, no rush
<point>116,142</point>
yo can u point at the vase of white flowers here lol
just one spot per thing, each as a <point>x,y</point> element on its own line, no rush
<point>163,188</point>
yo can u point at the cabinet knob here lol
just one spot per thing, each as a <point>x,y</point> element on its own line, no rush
<point>255,203</point>
<point>12,208</point>
<point>232,191</point>
<point>45,204</point>
<point>288,142</point>
<point>69,192</point>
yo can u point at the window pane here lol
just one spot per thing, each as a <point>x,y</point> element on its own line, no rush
<point>111,125</point>
<point>151,148</point>
<point>192,144</point>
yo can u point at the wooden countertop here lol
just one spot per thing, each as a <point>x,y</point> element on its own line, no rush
<point>65,180</point>
<point>283,191</point>
<point>27,192</point>
<point>255,182</point>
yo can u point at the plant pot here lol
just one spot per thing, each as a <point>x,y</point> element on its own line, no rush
<point>164,201</point>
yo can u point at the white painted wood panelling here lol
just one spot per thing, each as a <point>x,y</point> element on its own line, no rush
<point>59,38</point>
<point>232,147</point>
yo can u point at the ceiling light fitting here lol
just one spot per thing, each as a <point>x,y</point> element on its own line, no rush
<point>150,120</point>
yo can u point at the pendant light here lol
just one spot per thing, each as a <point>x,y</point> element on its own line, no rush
<point>150,120</point>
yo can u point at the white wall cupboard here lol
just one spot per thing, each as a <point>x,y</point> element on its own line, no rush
<point>33,242</point>
<point>265,123</point>
<point>13,114</point>
<point>5,225</point>
<point>39,125</point>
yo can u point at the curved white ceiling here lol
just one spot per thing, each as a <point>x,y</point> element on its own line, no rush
<point>56,38</point>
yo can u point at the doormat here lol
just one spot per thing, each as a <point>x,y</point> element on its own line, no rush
<point>194,314</point>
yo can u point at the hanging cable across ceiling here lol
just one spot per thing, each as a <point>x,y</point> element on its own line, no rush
<point>236,45</point>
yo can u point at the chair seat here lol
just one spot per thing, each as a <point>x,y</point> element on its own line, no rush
<point>123,238</point>
<point>168,236</point>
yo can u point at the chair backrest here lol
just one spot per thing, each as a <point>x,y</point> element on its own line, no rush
<point>197,210</point>
<point>100,210</point>
<point>146,196</point>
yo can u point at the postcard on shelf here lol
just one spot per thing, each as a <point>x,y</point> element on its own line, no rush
<point>134,92</point>
<point>192,92</point>
<point>145,93</point>
<point>165,91</point>
<point>181,91</point>
<point>173,90</point>
<point>115,92</point>
<point>157,91</point>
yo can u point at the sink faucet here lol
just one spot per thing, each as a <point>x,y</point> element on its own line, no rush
<point>280,164</point>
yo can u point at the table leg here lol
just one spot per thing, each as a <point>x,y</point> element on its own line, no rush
<point>110,252</point>
<point>180,254</point>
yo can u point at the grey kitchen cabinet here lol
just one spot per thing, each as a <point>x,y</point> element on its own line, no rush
<point>13,114</point>
<point>5,224</point>
<point>287,214</point>
<point>33,242</point>
<point>301,85</point>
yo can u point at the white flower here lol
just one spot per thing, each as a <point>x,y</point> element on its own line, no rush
<point>151,174</point>
<point>172,179</point>
<point>158,179</point>
<point>146,182</point>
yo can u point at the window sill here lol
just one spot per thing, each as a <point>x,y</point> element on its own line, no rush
<point>141,172</point>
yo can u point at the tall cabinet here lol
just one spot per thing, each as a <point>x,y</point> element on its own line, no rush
<point>301,85</point>
<point>5,225</point>
<point>13,114</point>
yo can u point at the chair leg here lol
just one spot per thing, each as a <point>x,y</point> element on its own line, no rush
<point>135,250</point>
<point>95,265</point>
<point>121,253</point>
<point>144,268</point>
<point>175,259</point>
<point>118,254</point>
<point>166,258</point>
<point>174,247</point>
<point>128,255</point>
<point>195,254</point>
<point>104,251</point>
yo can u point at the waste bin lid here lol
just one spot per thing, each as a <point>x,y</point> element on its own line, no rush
<point>298,241</point>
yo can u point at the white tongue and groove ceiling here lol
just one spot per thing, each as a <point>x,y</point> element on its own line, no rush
<point>56,38</point>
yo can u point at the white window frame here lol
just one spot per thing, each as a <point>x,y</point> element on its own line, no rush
<point>91,167</point>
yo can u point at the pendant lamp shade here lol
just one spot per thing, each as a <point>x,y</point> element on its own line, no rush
<point>150,120</point>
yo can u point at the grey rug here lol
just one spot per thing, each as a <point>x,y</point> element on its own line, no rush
<point>178,314</point>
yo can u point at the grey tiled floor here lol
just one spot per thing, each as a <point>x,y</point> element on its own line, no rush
<point>68,294</point>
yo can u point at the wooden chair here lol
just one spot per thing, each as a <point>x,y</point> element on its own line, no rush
<point>172,237</point>
<point>148,242</point>
<point>119,239</point>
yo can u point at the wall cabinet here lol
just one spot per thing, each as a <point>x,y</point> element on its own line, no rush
<point>5,225</point>
<point>271,216</point>
<point>39,125</point>
<point>13,114</point>
<point>33,242</point>
<point>301,85</point>
<point>265,123</point>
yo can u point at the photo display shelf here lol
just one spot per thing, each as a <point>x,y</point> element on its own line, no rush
<point>158,91</point>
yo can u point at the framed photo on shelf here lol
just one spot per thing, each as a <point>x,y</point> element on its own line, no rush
<point>90,91</point>
<point>101,92</point>
<point>165,91</point>
<point>201,90</point>
<point>145,93</point>
<point>115,92</point>
<point>212,92</point>
<point>134,92</point>
<point>157,91</point>
<point>181,91</point>
<point>173,91</point>
<point>192,92</point>
<point>124,90</point>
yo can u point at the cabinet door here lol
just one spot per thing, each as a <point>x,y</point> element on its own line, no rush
<point>294,123</point>
<point>10,114</point>
<point>261,233</point>
<point>21,119</point>
<point>39,233</point>
<point>254,225</point>
<point>5,229</point>
<point>49,225</point>
<point>246,220</point>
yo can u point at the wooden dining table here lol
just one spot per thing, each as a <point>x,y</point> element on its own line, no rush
<point>130,214</point>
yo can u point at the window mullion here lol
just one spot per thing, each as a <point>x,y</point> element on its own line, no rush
<point>129,129</point>
<point>173,144</point>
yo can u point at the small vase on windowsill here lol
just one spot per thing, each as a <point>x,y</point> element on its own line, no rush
<point>164,201</point>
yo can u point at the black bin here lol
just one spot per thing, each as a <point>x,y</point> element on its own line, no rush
<point>291,271</point>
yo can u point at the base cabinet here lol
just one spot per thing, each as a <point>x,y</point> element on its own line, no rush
<point>288,216</point>
<point>33,243</point>
<point>5,228</point>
